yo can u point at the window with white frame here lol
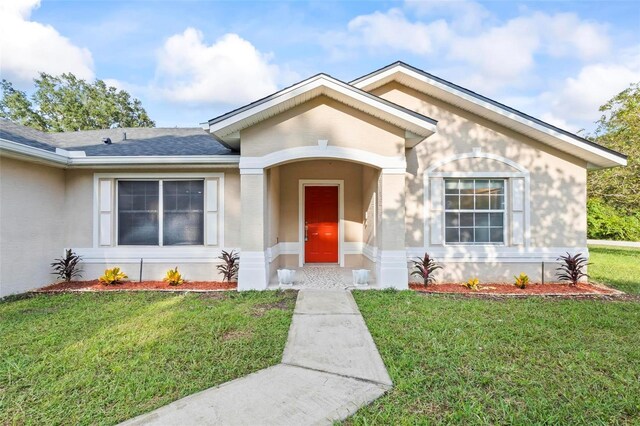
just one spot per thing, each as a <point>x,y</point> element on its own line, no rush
<point>474,211</point>
<point>160,212</point>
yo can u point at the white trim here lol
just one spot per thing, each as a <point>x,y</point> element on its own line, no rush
<point>370,252</point>
<point>392,269</point>
<point>317,86</point>
<point>157,176</point>
<point>19,150</point>
<point>151,254</point>
<point>521,172</point>
<point>352,247</point>
<point>475,154</point>
<point>497,112</point>
<point>301,198</point>
<point>254,271</point>
<point>252,165</point>
<point>494,254</point>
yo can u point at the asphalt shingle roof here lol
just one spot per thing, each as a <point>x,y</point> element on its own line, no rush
<point>140,141</point>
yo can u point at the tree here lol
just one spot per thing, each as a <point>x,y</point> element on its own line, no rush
<point>66,103</point>
<point>619,129</point>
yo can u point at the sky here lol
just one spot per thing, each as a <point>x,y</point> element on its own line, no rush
<point>190,61</point>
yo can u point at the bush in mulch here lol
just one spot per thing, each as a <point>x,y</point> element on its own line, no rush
<point>95,285</point>
<point>531,289</point>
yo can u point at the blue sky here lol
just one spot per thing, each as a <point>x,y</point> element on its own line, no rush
<point>189,61</point>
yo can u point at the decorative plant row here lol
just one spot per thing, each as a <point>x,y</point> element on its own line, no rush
<point>68,267</point>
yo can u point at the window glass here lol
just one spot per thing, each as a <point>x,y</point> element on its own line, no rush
<point>474,211</point>
<point>183,212</point>
<point>138,213</point>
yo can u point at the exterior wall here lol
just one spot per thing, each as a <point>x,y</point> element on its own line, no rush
<point>558,180</point>
<point>77,213</point>
<point>322,118</point>
<point>31,224</point>
<point>493,272</point>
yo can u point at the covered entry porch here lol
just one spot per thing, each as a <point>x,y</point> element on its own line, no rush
<point>323,218</point>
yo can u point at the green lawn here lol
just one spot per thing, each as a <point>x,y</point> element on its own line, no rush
<point>617,267</point>
<point>527,361</point>
<point>103,358</point>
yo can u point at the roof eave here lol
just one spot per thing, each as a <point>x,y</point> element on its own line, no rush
<point>228,126</point>
<point>596,156</point>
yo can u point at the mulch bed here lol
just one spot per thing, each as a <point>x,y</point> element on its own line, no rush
<point>95,285</point>
<point>546,289</point>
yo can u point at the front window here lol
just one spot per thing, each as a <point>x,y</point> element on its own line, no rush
<point>474,211</point>
<point>177,205</point>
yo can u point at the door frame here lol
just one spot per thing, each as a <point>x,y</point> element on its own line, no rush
<point>301,198</point>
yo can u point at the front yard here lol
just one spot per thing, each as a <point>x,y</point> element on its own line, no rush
<point>104,358</point>
<point>511,361</point>
<point>616,267</point>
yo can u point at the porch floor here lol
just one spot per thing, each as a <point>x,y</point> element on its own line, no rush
<point>329,277</point>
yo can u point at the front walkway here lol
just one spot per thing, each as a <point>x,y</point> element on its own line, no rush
<point>330,368</point>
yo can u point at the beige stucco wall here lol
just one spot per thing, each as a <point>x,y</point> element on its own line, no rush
<point>322,118</point>
<point>558,180</point>
<point>32,199</point>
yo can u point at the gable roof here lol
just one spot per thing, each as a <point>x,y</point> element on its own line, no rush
<point>228,126</point>
<point>595,155</point>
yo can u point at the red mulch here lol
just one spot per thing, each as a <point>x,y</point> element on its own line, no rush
<point>492,288</point>
<point>95,285</point>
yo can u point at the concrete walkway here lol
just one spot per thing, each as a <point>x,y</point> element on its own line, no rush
<point>329,369</point>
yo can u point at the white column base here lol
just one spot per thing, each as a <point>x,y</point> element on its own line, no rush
<point>253,273</point>
<point>392,270</point>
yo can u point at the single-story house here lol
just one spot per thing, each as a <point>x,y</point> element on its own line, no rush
<point>370,174</point>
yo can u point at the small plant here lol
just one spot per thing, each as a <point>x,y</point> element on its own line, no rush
<point>522,280</point>
<point>229,268</point>
<point>472,283</point>
<point>67,267</point>
<point>571,268</point>
<point>425,266</point>
<point>174,277</point>
<point>112,276</point>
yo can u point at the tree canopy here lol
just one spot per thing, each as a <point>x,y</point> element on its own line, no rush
<point>67,103</point>
<point>619,129</point>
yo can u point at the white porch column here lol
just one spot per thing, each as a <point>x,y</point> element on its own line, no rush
<point>253,273</point>
<point>391,265</point>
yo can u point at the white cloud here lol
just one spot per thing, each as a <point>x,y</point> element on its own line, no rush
<point>393,30</point>
<point>489,54</point>
<point>230,71</point>
<point>579,98</point>
<point>465,15</point>
<point>30,47</point>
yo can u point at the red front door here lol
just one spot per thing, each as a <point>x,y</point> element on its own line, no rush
<point>321,224</point>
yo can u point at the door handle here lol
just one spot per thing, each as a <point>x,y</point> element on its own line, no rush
<point>306,232</point>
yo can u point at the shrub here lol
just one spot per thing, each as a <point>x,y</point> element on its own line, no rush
<point>229,268</point>
<point>604,222</point>
<point>571,268</point>
<point>174,277</point>
<point>472,283</point>
<point>522,280</point>
<point>112,276</point>
<point>67,267</point>
<point>425,266</point>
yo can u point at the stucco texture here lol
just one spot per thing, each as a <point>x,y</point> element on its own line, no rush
<point>32,225</point>
<point>558,180</point>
